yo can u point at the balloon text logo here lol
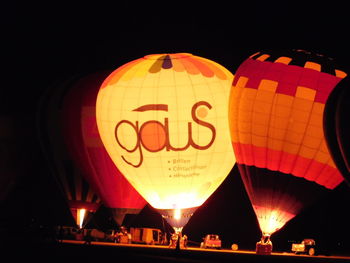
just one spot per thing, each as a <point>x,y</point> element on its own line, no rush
<point>147,131</point>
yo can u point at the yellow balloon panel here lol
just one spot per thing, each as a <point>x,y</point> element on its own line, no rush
<point>163,120</point>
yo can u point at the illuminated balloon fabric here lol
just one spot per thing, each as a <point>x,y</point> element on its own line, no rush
<point>336,126</point>
<point>77,192</point>
<point>86,148</point>
<point>276,110</point>
<point>162,120</point>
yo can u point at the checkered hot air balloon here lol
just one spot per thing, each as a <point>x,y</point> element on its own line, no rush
<point>276,122</point>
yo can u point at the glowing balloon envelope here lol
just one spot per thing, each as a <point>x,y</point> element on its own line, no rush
<point>276,116</point>
<point>80,196</point>
<point>84,144</point>
<point>163,120</point>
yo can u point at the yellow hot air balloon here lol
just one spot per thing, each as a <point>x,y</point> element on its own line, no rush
<point>164,121</point>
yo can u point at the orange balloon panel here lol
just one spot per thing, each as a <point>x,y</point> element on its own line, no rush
<point>163,120</point>
<point>276,123</point>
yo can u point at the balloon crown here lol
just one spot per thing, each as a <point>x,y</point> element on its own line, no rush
<point>178,62</point>
<point>302,58</point>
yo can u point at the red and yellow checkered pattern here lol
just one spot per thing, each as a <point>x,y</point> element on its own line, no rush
<point>276,117</point>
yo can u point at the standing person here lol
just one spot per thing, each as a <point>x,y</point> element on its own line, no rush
<point>60,234</point>
<point>129,237</point>
<point>88,237</point>
<point>173,240</point>
<point>185,239</point>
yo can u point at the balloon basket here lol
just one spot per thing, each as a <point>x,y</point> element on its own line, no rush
<point>264,246</point>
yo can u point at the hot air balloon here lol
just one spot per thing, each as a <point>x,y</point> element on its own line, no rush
<point>162,121</point>
<point>275,113</point>
<point>336,128</point>
<point>86,149</point>
<point>83,202</point>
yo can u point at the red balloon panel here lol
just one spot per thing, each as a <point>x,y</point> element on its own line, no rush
<point>86,147</point>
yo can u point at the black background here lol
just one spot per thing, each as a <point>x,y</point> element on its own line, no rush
<point>44,43</point>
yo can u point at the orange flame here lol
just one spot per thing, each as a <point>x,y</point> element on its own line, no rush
<point>80,216</point>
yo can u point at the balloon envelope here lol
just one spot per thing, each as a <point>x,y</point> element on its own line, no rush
<point>276,111</point>
<point>79,195</point>
<point>336,127</point>
<point>163,120</point>
<point>86,148</point>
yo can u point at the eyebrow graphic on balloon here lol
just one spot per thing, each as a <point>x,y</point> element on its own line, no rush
<point>149,107</point>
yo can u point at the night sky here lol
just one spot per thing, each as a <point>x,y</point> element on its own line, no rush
<point>45,44</point>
